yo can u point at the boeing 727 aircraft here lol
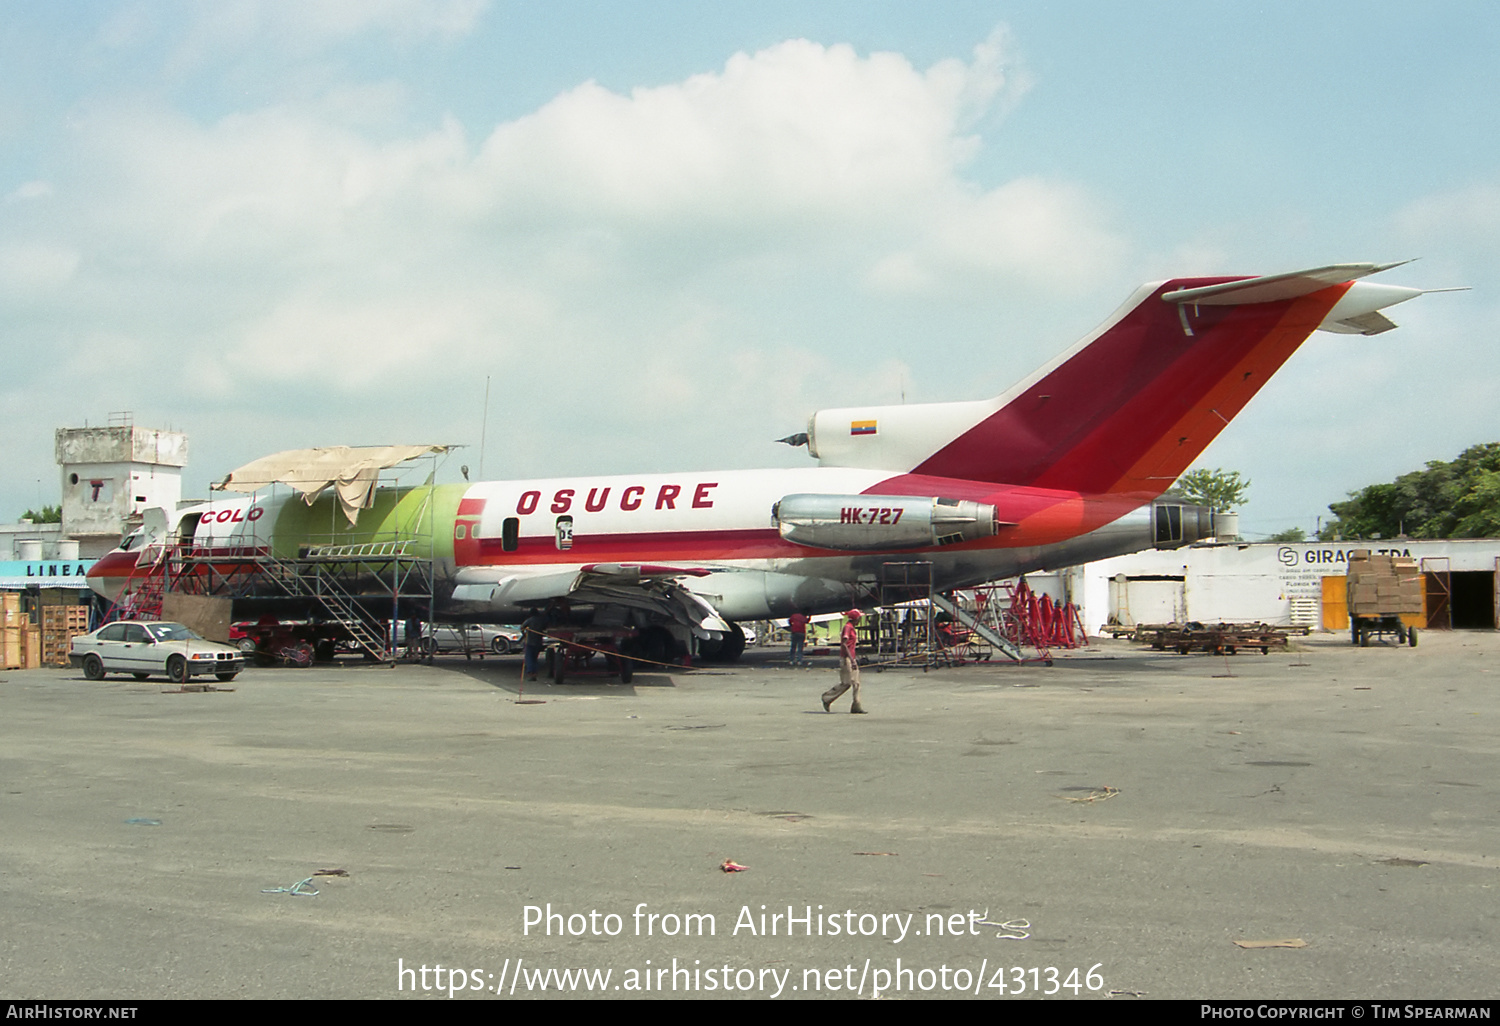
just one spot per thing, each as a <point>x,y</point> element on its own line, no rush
<point>1066,467</point>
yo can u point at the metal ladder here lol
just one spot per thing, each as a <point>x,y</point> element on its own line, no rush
<point>144,601</point>
<point>978,626</point>
<point>367,631</point>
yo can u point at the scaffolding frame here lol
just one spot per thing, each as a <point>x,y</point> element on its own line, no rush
<point>328,576</point>
<point>904,633</point>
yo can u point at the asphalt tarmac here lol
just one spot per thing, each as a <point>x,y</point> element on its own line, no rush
<point>1131,815</point>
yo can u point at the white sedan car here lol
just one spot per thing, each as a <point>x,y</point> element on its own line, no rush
<point>466,638</point>
<point>146,648</point>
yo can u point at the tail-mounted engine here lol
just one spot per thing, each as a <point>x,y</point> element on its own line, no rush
<point>1176,524</point>
<point>858,523</point>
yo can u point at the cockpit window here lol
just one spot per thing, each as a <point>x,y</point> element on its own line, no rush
<point>133,540</point>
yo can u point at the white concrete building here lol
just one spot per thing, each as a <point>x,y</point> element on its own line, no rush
<point>1276,583</point>
<point>111,475</point>
<point>25,540</point>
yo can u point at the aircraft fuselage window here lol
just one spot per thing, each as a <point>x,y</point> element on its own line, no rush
<point>510,534</point>
<point>564,533</point>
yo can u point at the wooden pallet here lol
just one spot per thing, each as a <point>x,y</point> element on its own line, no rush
<point>1219,638</point>
<point>60,625</point>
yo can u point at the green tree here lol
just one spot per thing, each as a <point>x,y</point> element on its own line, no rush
<point>1291,534</point>
<point>48,515</point>
<point>1478,509</point>
<point>1460,499</point>
<point>1222,490</point>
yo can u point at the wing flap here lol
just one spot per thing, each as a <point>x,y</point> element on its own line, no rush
<point>651,588</point>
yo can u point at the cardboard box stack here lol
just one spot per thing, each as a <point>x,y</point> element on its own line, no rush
<point>1384,585</point>
<point>12,629</point>
<point>31,646</point>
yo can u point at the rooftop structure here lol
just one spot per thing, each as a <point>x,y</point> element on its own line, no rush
<point>111,475</point>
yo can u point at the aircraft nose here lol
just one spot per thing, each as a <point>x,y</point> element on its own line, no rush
<point>108,576</point>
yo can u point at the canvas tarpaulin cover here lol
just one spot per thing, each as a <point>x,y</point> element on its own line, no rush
<point>352,471</point>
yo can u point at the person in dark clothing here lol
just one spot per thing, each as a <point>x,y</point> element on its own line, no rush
<point>796,626</point>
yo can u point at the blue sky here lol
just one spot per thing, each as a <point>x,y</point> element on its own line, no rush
<point>668,232</point>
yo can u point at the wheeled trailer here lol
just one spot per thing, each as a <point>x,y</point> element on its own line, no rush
<point>1384,594</point>
<point>571,648</point>
<point>1363,628</point>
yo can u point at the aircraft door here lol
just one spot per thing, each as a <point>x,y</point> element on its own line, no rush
<point>187,528</point>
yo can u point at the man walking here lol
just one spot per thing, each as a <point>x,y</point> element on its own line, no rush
<point>848,664</point>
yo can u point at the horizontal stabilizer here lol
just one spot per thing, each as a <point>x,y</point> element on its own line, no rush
<point>1273,288</point>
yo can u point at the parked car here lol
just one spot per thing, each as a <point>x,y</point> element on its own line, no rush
<point>269,640</point>
<point>143,648</point>
<point>466,637</point>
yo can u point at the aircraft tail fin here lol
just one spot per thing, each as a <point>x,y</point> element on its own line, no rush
<point>1130,406</point>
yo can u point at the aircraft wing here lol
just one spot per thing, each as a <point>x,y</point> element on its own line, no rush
<point>636,586</point>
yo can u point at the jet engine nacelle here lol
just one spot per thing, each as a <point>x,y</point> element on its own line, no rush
<point>859,523</point>
<point>1175,524</point>
<point>890,437</point>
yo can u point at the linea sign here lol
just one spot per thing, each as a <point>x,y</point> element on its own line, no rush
<point>45,573</point>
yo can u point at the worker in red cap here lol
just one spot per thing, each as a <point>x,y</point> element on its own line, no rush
<point>848,664</point>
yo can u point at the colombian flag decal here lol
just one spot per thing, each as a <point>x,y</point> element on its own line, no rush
<point>861,427</point>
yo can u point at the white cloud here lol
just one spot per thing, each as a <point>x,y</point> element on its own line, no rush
<point>30,191</point>
<point>693,254</point>
<point>1472,212</point>
<point>1029,230</point>
<point>795,130</point>
<point>306,26</point>
<point>278,182</point>
<point>1457,233</point>
<point>29,266</point>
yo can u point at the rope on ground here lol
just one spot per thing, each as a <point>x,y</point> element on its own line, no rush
<point>302,889</point>
<point>1096,796</point>
<point>1012,929</point>
<point>616,653</point>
